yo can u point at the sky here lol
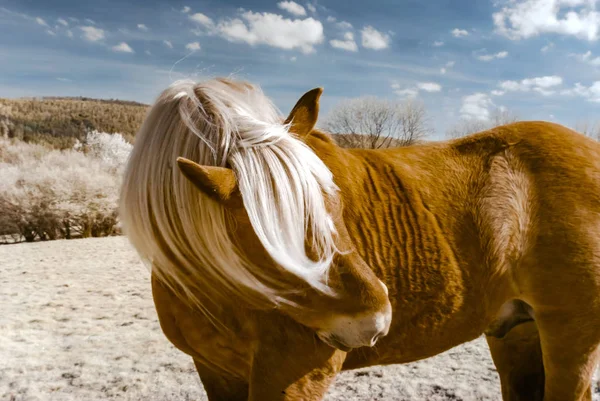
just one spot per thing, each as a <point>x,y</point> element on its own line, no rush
<point>539,59</point>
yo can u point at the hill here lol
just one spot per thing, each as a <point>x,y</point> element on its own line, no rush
<point>59,122</point>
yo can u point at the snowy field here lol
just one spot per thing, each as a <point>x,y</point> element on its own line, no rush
<point>78,323</point>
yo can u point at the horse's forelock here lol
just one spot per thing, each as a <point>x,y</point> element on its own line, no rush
<point>184,234</point>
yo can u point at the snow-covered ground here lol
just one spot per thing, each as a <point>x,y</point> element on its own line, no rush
<point>77,323</point>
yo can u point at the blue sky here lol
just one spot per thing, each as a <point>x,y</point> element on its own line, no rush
<point>463,59</point>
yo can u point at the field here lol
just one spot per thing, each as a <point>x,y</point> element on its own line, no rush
<point>78,323</point>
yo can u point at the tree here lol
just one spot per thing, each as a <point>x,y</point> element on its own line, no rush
<point>371,122</point>
<point>589,129</point>
<point>497,118</point>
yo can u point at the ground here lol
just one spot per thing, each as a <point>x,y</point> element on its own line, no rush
<point>78,323</point>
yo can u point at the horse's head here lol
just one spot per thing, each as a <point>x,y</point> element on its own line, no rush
<point>268,217</point>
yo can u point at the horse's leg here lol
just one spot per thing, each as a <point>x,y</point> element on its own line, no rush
<point>291,363</point>
<point>220,387</point>
<point>518,359</point>
<point>563,289</point>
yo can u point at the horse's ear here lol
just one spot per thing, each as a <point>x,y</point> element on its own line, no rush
<point>305,113</point>
<point>217,182</point>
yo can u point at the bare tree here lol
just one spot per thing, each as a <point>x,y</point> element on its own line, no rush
<point>497,118</point>
<point>591,129</point>
<point>371,122</point>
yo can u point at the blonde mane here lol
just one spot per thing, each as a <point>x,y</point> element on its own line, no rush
<point>183,233</point>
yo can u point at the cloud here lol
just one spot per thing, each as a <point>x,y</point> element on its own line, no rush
<point>41,21</point>
<point>168,44</point>
<point>429,87</point>
<point>292,7</point>
<point>344,25</point>
<point>476,107</point>
<point>194,46</point>
<point>347,44</point>
<point>529,18</point>
<point>63,22</point>
<point>90,21</point>
<point>122,48</point>
<point>411,92</point>
<point>449,64</point>
<point>331,19</point>
<point>202,19</point>
<point>490,57</point>
<point>588,59</point>
<point>92,33</point>
<point>373,39</point>
<point>311,8</point>
<point>591,93</point>
<point>186,9</point>
<point>64,79</point>
<point>496,92</point>
<point>69,33</point>
<point>541,85</point>
<point>142,27</point>
<point>50,32</point>
<point>458,33</point>
<point>547,47</point>
<point>273,30</point>
<point>438,43</point>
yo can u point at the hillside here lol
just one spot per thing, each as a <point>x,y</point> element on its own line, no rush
<point>58,122</point>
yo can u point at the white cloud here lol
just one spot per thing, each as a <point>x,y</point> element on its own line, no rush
<point>194,46</point>
<point>168,44</point>
<point>70,33</point>
<point>449,64</point>
<point>344,25</point>
<point>476,107</point>
<point>50,32</point>
<point>123,48</point>
<point>429,86</point>
<point>202,19</point>
<point>490,57</point>
<point>62,21</point>
<point>438,43</point>
<point>347,44</point>
<point>373,39</point>
<point>458,33</point>
<point>311,8</point>
<point>90,21</point>
<point>547,47</point>
<point>591,93</point>
<point>541,85</point>
<point>293,58</point>
<point>496,92</point>
<point>142,27</point>
<point>414,91</point>
<point>61,79</point>
<point>331,19</point>
<point>41,21</point>
<point>148,52</point>
<point>186,9</point>
<point>273,30</point>
<point>529,18</point>
<point>292,7</point>
<point>588,58</point>
<point>92,33</point>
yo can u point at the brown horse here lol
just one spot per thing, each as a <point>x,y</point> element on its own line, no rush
<point>279,259</point>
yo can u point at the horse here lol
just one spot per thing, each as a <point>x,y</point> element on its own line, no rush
<point>279,259</point>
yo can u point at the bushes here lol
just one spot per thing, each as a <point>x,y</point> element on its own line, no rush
<point>48,194</point>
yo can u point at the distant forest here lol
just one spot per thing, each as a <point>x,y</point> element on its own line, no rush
<point>59,122</point>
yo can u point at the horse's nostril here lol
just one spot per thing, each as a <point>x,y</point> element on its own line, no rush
<point>374,339</point>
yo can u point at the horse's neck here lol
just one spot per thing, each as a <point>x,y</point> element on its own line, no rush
<point>406,220</point>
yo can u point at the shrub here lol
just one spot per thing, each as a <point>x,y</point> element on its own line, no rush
<point>47,193</point>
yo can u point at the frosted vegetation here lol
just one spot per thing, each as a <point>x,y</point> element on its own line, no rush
<point>49,194</point>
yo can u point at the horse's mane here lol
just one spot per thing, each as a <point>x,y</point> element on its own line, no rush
<point>183,233</point>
